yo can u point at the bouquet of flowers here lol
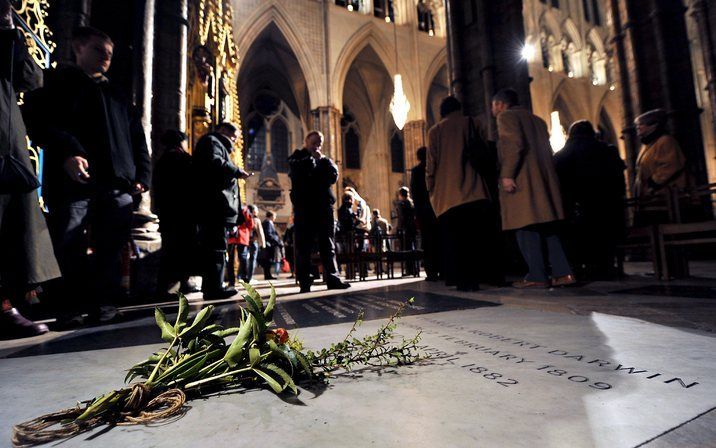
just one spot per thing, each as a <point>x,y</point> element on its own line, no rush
<point>199,360</point>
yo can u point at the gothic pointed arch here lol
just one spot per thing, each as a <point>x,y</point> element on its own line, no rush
<point>274,15</point>
<point>369,36</point>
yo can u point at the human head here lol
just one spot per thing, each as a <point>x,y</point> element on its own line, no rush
<point>347,198</point>
<point>448,105</point>
<point>270,215</point>
<point>422,154</point>
<point>93,50</point>
<point>376,213</point>
<point>503,100</point>
<point>582,129</point>
<point>228,130</point>
<point>254,210</point>
<point>173,139</point>
<point>404,192</point>
<point>314,141</point>
<point>650,121</point>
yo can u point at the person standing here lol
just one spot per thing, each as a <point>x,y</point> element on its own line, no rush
<point>425,218</point>
<point>177,222</point>
<point>591,177</point>
<point>274,247</point>
<point>406,226</point>
<point>219,204</point>
<point>313,177</point>
<point>460,198</point>
<point>257,242</point>
<point>27,257</point>
<point>96,160</point>
<point>238,249</point>
<point>530,199</point>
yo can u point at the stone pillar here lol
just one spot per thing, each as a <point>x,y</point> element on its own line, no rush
<point>654,61</point>
<point>327,119</point>
<point>64,17</point>
<point>170,59</point>
<point>477,32</point>
<point>414,136</point>
<point>143,84</point>
<point>700,12</point>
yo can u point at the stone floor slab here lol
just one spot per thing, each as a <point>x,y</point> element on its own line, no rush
<point>499,376</point>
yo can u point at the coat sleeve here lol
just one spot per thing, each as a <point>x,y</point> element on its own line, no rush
<point>211,152</point>
<point>261,238</point>
<point>40,113</point>
<point>140,153</point>
<point>328,171</point>
<point>669,161</point>
<point>510,144</point>
<point>27,75</point>
<point>432,157</point>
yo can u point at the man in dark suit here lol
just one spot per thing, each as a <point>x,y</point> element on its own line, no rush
<point>273,249</point>
<point>425,217</point>
<point>219,204</point>
<point>313,177</point>
<point>96,160</point>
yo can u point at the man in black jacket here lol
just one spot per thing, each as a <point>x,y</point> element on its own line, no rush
<point>219,204</point>
<point>96,160</point>
<point>312,178</point>
<point>425,217</point>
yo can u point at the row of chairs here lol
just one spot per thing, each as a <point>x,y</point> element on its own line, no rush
<point>675,225</point>
<point>357,253</point>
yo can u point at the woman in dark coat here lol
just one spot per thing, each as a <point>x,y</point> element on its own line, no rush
<point>591,176</point>
<point>26,255</point>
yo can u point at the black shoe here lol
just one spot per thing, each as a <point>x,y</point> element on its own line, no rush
<point>105,315</point>
<point>15,325</point>
<point>189,288</point>
<point>220,294</point>
<point>339,285</point>
<point>306,288</point>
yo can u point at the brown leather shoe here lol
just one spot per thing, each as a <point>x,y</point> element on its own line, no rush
<point>526,284</point>
<point>564,280</point>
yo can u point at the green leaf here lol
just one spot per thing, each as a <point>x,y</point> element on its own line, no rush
<point>254,356</point>
<point>182,314</point>
<point>238,346</point>
<point>270,381</point>
<point>255,310</point>
<point>198,324</point>
<point>286,353</point>
<point>268,311</point>
<point>288,381</point>
<point>194,369</point>
<point>227,332</point>
<point>304,362</point>
<point>168,332</point>
<point>255,296</point>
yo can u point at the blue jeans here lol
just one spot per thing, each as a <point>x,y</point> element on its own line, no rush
<point>532,241</point>
<point>251,265</point>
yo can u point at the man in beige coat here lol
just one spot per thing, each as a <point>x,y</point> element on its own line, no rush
<point>460,199</point>
<point>529,191</point>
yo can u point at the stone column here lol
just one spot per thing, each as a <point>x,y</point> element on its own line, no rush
<point>414,136</point>
<point>700,12</point>
<point>455,18</point>
<point>327,119</point>
<point>170,59</point>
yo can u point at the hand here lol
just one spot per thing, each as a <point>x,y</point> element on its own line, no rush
<point>243,174</point>
<point>316,154</point>
<point>137,188</point>
<point>76,167</point>
<point>508,185</point>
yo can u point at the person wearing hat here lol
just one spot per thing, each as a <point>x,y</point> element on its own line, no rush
<point>660,162</point>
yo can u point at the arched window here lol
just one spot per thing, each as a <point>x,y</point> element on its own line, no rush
<point>384,10</point>
<point>279,146</point>
<point>568,58</point>
<point>351,148</point>
<point>544,47</point>
<point>256,142</point>
<point>397,153</point>
<point>425,19</point>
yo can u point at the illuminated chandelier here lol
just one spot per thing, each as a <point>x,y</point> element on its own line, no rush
<point>399,105</point>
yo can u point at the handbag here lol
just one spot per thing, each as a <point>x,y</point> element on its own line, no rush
<point>15,177</point>
<point>285,266</point>
<point>477,153</point>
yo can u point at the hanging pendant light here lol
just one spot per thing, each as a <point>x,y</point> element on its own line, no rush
<point>399,105</point>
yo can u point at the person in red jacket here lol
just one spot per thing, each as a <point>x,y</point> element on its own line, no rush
<point>239,244</point>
